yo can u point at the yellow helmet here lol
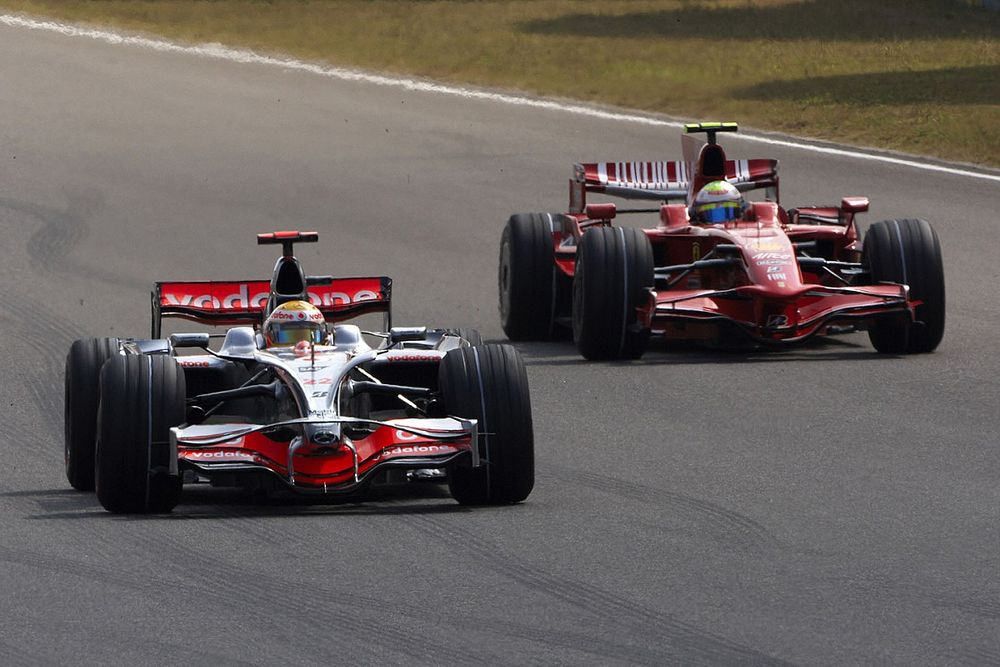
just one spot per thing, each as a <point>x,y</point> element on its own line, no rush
<point>293,322</point>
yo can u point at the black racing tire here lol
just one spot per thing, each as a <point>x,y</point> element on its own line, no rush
<point>908,252</point>
<point>614,267</point>
<point>82,395</point>
<point>472,336</point>
<point>489,383</point>
<point>142,396</point>
<point>527,277</point>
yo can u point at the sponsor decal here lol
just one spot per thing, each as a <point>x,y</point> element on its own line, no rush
<point>771,262</point>
<point>319,394</point>
<point>412,357</point>
<point>309,369</point>
<point>764,246</point>
<point>695,252</point>
<point>218,454</point>
<point>417,449</point>
<point>242,299</point>
<point>777,276</point>
<point>774,321</point>
<point>403,435</point>
<point>194,364</point>
<point>772,255</point>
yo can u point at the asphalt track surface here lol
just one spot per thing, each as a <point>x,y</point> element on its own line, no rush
<point>826,505</point>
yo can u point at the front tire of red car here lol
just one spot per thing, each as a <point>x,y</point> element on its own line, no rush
<point>614,268</point>
<point>907,252</point>
<point>489,383</point>
<point>142,396</point>
<point>82,395</point>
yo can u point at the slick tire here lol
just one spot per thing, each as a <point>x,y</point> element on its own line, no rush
<point>908,252</point>
<point>489,383</point>
<point>82,396</point>
<point>527,277</point>
<point>142,396</point>
<point>614,267</point>
<point>472,336</point>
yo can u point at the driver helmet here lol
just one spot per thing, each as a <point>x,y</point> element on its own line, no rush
<point>294,322</point>
<point>718,202</point>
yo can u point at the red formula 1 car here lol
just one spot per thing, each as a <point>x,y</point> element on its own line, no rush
<point>293,398</point>
<point>769,275</point>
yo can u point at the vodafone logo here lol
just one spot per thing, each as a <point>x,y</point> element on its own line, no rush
<point>242,299</point>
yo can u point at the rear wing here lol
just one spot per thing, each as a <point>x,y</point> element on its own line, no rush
<point>663,181</point>
<point>234,303</point>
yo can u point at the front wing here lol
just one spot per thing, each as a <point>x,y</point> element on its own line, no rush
<point>767,318</point>
<point>339,466</point>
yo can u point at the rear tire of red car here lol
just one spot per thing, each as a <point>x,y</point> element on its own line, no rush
<point>527,277</point>
<point>471,335</point>
<point>142,396</point>
<point>489,383</point>
<point>614,266</point>
<point>82,395</point>
<point>908,252</point>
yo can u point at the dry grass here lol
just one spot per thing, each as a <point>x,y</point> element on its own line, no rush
<point>915,75</point>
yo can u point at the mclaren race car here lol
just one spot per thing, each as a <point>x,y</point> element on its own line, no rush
<point>717,267</point>
<point>293,397</point>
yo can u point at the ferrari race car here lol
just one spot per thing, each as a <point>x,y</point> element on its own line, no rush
<point>324,416</point>
<point>769,276</point>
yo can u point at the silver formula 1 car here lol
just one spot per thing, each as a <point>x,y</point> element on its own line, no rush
<point>326,416</point>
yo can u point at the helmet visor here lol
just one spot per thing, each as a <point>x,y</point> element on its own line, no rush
<point>290,333</point>
<point>716,213</point>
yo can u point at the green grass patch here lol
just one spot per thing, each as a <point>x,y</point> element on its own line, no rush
<point>921,76</point>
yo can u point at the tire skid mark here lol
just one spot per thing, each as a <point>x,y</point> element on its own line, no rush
<point>44,386</point>
<point>61,230</point>
<point>580,642</point>
<point>680,640</point>
<point>978,657</point>
<point>215,579</point>
<point>729,526</point>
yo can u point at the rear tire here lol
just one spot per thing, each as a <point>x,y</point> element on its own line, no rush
<point>472,336</point>
<point>82,397</point>
<point>614,267</point>
<point>908,252</point>
<point>527,277</point>
<point>142,396</point>
<point>489,383</point>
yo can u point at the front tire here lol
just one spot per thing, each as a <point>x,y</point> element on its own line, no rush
<point>527,277</point>
<point>489,383</point>
<point>82,396</point>
<point>907,252</point>
<point>614,268</point>
<point>142,396</point>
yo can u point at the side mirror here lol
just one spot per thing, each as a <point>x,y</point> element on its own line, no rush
<point>604,211</point>
<point>854,204</point>
<point>400,334</point>
<point>189,340</point>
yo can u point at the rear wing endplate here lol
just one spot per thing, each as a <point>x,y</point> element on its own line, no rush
<point>235,303</point>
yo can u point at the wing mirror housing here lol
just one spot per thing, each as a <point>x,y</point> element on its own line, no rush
<point>400,334</point>
<point>603,211</point>
<point>854,204</point>
<point>189,340</point>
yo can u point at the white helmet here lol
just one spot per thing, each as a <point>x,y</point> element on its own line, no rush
<point>293,322</point>
<point>718,202</point>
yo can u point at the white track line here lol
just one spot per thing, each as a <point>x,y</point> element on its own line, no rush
<point>220,52</point>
